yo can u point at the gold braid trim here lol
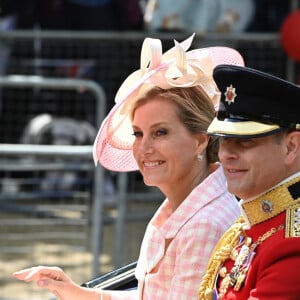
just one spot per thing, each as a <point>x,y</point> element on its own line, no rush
<point>279,198</point>
<point>222,252</point>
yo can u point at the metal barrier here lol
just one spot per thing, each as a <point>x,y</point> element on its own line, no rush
<point>46,224</point>
<point>24,170</point>
<point>21,81</point>
<point>73,210</point>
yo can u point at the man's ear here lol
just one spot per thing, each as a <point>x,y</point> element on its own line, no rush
<point>292,147</point>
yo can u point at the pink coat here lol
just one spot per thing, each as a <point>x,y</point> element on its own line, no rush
<point>176,247</point>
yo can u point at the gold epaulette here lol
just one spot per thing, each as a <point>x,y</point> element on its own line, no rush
<point>292,225</point>
<point>221,253</point>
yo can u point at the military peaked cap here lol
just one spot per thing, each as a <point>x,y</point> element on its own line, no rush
<point>254,103</point>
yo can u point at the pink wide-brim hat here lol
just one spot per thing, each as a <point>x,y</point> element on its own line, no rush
<point>175,68</point>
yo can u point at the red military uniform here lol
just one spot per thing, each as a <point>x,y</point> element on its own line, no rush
<point>262,262</point>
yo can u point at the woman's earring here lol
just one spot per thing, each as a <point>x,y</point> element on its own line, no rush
<point>200,156</point>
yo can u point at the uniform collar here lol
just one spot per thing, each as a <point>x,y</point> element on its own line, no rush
<point>272,202</point>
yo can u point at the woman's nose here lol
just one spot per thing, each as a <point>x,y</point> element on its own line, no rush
<point>144,145</point>
<point>147,144</point>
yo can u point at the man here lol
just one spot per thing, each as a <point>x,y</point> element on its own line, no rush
<point>258,122</point>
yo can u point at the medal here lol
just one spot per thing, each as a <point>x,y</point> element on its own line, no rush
<point>237,275</point>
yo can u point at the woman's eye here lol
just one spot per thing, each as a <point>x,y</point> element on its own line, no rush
<point>137,134</point>
<point>155,133</point>
<point>160,132</point>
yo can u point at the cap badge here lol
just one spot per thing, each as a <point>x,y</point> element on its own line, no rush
<point>230,94</point>
<point>266,206</point>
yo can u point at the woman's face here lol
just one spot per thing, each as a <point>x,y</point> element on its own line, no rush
<point>166,152</point>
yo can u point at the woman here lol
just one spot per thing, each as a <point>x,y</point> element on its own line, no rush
<point>158,126</point>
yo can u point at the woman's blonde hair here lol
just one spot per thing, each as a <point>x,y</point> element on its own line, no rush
<point>194,109</point>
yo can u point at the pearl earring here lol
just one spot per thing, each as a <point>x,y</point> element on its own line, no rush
<point>200,156</point>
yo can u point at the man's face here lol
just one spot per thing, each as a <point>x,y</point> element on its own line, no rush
<point>253,165</point>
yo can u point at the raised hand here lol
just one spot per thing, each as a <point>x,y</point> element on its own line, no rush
<point>57,282</point>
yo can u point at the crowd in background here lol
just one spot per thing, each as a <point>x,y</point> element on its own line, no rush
<point>216,15</point>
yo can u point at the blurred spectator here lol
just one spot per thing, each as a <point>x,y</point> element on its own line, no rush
<point>75,14</point>
<point>198,15</point>
<point>102,14</point>
<point>235,16</point>
<point>29,13</point>
<point>178,15</point>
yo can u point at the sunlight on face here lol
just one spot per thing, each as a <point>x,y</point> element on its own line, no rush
<point>163,148</point>
<point>252,166</point>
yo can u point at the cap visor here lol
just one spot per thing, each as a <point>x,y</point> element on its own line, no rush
<point>243,129</point>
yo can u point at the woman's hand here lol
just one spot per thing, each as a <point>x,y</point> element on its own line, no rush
<point>57,282</point>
